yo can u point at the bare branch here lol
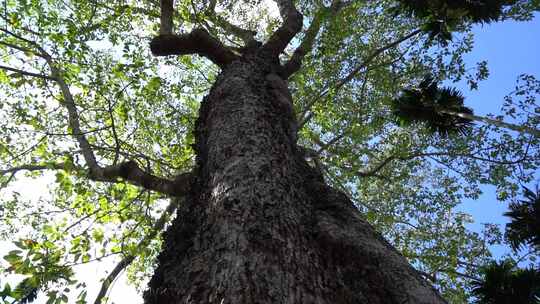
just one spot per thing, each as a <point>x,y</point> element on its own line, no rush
<point>292,24</point>
<point>374,55</point>
<point>113,127</point>
<point>73,117</point>
<point>196,42</point>
<point>48,166</point>
<point>20,48</point>
<point>128,171</point>
<point>386,161</point>
<point>129,152</point>
<point>246,35</point>
<point>128,259</point>
<point>9,179</point>
<point>41,53</point>
<point>25,73</point>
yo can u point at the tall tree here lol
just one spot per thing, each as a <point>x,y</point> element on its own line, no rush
<point>250,167</point>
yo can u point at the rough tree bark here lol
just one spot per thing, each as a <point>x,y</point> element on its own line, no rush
<point>259,224</point>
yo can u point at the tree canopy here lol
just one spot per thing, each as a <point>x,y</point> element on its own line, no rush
<point>87,110</point>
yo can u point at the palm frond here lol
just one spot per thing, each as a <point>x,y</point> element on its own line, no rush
<point>524,227</point>
<point>502,284</point>
<point>433,106</point>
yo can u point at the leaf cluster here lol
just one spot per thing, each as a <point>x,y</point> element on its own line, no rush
<point>41,265</point>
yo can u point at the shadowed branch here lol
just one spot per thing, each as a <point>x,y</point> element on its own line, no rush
<point>305,47</point>
<point>130,172</point>
<point>198,41</point>
<point>40,167</point>
<point>292,24</point>
<point>25,73</point>
<point>166,19</point>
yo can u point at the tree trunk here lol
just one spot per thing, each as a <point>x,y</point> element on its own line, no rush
<point>260,225</point>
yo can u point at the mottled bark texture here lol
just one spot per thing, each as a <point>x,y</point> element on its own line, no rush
<point>260,225</point>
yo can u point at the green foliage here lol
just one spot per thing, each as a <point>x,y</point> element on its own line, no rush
<point>427,103</point>
<point>524,226</point>
<point>502,284</point>
<point>41,266</point>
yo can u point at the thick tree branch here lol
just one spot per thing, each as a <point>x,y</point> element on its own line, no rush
<point>130,172</point>
<point>166,19</point>
<point>294,64</point>
<point>198,41</point>
<point>128,259</point>
<point>247,36</point>
<point>292,24</point>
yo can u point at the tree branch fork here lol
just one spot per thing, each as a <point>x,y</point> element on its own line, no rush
<point>200,41</point>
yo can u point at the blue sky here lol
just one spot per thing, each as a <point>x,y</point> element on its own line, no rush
<point>511,49</point>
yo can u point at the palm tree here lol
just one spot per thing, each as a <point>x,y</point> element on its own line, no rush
<point>443,110</point>
<point>524,227</point>
<point>502,285</point>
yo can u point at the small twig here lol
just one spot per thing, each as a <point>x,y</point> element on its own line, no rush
<point>25,73</point>
<point>128,259</point>
<point>327,89</point>
<point>50,166</point>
